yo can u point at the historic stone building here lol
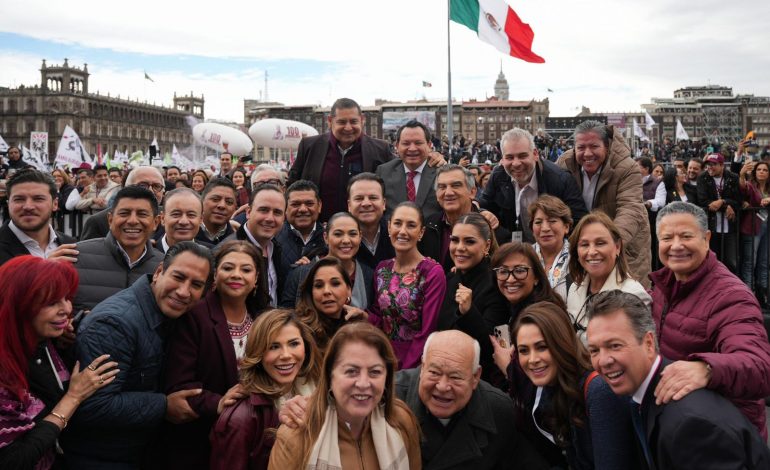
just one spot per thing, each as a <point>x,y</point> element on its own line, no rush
<point>113,123</point>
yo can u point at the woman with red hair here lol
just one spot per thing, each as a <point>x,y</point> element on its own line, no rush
<point>37,393</point>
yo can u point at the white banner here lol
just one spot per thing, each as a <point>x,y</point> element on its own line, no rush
<point>681,134</point>
<point>33,158</point>
<point>71,151</point>
<point>648,121</point>
<point>3,145</point>
<point>638,132</point>
<point>38,143</point>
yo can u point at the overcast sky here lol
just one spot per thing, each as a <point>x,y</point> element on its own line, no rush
<point>609,56</point>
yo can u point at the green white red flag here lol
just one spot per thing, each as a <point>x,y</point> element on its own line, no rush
<point>497,24</point>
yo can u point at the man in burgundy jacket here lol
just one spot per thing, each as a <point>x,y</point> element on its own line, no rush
<point>329,160</point>
<point>707,320</point>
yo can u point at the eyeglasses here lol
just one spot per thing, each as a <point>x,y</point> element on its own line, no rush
<point>275,182</point>
<point>519,273</point>
<point>157,187</point>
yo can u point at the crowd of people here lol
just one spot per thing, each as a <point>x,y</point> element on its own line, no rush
<point>393,309</point>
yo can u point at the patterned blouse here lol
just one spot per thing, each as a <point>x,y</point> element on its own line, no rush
<point>407,305</point>
<point>557,275</point>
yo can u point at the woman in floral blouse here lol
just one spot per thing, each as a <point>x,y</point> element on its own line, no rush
<point>409,288</point>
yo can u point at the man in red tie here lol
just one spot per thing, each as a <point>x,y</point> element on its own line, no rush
<point>411,177</point>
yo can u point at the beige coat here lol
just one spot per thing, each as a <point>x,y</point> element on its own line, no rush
<point>354,455</point>
<point>619,194</point>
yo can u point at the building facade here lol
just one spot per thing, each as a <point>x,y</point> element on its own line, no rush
<point>102,121</point>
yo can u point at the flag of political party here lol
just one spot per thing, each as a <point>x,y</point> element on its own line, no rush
<point>681,134</point>
<point>497,24</point>
<point>426,84</point>
<point>71,151</point>
<point>648,121</point>
<point>3,145</point>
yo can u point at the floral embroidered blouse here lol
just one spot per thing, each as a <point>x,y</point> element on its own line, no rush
<point>406,306</point>
<point>557,275</point>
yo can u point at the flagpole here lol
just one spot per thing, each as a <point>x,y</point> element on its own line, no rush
<point>450,121</point>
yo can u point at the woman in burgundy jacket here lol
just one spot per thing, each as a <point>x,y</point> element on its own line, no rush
<point>281,361</point>
<point>206,348</point>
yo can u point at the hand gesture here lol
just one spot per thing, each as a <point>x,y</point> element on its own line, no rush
<point>177,409</point>
<point>235,393</point>
<point>502,356</point>
<point>293,412</point>
<point>463,297</point>
<point>354,313</point>
<point>730,213</point>
<point>65,252</point>
<point>680,378</point>
<point>83,383</point>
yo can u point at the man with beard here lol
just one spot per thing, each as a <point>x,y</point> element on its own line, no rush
<point>520,179</point>
<point>31,201</point>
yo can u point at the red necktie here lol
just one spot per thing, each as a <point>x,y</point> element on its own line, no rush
<point>410,191</point>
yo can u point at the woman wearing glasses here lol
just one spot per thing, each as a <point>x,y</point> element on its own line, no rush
<point>597,264</point>
<point>522,281</point>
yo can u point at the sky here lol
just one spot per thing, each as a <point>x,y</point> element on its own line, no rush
<point>608,56</point>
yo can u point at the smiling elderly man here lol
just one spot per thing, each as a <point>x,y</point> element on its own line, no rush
<point>465,422</point>
<point>708,321</point>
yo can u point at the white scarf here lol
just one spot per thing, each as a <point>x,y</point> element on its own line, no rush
<point>391,452</point>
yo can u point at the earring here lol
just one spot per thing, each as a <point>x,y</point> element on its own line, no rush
<point>330,397</point>
<point>254,292</point>
<point>349,299</point>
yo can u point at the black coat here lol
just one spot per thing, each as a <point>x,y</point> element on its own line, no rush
<point>499,196</point>
<point>481,437</point>
<point>488,309</point>
<point>383,251</point>
<point>701,431</point>
<point>731,193</point>
<point>10,246</point>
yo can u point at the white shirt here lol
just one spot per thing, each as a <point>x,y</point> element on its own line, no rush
<point>128,258</point>
<point>589,188</point>
<point>660,195</point>
<point>272,274</point>
<point>417,178</point>
<point>32,245</point>
<point>373,247</point>
<point>723,225</point>
<point>164,244</point>
<point>638,396</point>
<point>524,197</point>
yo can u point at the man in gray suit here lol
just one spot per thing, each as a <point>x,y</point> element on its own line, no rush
<point>411,178</point>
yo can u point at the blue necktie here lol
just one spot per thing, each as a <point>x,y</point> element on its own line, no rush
<point>636,417</point>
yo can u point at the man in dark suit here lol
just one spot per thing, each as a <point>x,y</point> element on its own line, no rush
<point>329,160</point>
<point>520,179</point>
<point>411,178</point>
<point>266,216</point>
<point>700,430</point>
<point>366,202</point>
<point>31,201</point>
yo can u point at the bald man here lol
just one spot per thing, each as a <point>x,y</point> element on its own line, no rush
<point>455,409</point>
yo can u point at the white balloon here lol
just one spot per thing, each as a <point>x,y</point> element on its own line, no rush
<point>222,138</point>
<point>280,133</point>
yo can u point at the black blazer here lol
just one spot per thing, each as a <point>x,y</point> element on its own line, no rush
<point>11,246</point>
<point>701,431</point>
<point>312,151</point>
<point>731,193</point>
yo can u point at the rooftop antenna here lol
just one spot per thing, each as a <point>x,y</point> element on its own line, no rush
<point>265,86</point>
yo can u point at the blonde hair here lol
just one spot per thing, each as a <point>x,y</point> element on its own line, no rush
<point>254,378</point>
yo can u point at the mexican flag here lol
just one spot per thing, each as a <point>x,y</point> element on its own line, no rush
<point>496,23</point>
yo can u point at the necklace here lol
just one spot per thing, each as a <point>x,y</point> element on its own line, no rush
<point>239,331</point>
